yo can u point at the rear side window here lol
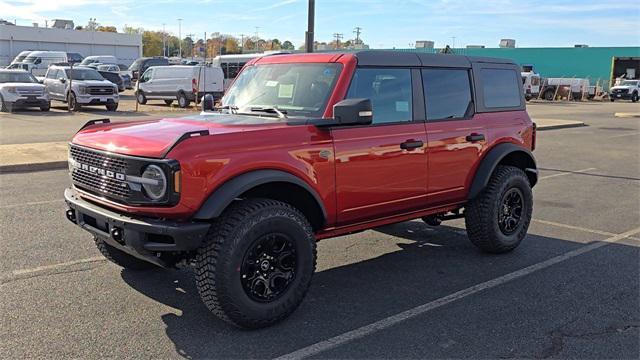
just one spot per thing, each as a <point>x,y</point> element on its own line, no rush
<point>501,88</point>
<point>389,91</point>
<point>447,93</point>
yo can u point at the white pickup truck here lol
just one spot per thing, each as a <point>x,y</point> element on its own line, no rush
<point>627,90</point>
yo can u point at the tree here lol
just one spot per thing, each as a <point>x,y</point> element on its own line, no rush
<point>288,45</point>
<point>231,46</point>
<point>131,30</point>
<point>274,44</point>
<point>107,29</point>
<point>151,43</point>
<point>187,46</point>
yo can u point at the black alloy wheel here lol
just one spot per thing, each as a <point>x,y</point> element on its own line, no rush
<point>269,267</point>
<point>510,213</point>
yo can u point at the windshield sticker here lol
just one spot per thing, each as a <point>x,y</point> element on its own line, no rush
<point>271,83</point>
<point>285,91</point>
<point>402,106</point>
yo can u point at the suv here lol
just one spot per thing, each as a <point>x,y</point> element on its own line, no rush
<point>20,89</point>
<point>88,87</point>
<point>306,147</point>
<point>627,90</point>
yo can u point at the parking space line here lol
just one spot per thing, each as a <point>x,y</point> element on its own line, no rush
<point>567,226</point>
<point>31,203</point>
<point>421,309</point>
<point>567,173</point>
<point>27,273</point>
<point>622,135</point>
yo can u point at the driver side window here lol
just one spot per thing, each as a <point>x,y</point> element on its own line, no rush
<point>389,90</point>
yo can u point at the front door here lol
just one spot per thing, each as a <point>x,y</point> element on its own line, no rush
<point>381,169</point>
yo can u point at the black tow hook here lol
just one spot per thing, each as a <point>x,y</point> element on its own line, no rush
<point>116,234</point>
<point>71,215</point>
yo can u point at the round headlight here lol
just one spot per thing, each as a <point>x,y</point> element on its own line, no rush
<point>154,182</point>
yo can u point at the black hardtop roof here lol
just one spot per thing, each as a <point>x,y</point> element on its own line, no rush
<point>407,58</point>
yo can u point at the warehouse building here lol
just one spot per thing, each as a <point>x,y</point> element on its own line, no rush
<point>14,39</point>
<point>601,65</point>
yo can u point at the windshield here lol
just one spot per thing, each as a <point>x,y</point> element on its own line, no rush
<point>136,64</point>
<point>83,74</point>
<point>630,82</point>
<point>88,61</point>
<point>17,77</point>
<point>31,59</point>
<point>19,58</point>
<point>297,89</point>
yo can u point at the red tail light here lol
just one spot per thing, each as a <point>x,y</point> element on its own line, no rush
<point>194,86</point>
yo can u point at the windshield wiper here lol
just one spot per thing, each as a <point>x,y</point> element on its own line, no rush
<point>232,108</point>
<point>282,114</point>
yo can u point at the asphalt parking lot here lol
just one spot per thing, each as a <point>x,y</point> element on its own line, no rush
<point>571,290</point>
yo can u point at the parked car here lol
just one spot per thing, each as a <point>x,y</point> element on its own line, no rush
<point>306,147</point>
<point>20,89</point>
<point>179,82</point>
<point>74,58</point>
<point>37,62</point>
<point>124,75</point>
<point>88,87</point>
<point>114,78</point>
<point>627,90</point>
<point>530,84</point>
<point>103,59</point>
<point>142,64</point>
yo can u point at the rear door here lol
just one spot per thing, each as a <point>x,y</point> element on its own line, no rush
<point>456,137</point>
<point>381,169</point>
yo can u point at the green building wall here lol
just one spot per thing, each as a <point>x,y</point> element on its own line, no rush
<point>593,63</point>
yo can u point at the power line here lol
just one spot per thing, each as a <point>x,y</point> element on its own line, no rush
<point>357,30</point>
<point>338,37</point>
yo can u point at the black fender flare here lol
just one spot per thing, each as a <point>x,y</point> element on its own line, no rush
<point>224,195</point>
<point>493,158</point>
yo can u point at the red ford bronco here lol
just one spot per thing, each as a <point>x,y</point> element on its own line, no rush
<point>305,147</point>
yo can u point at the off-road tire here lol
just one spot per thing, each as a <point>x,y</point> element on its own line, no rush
<point>168,102</point>
<point>183,102</point>
<point>482,213</point>
<point>219,260</point>
<point>72,102</point>
<point>112,106</point>
<point>140,98</point>
<point>121,258</point>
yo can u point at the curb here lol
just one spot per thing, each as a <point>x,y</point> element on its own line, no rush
<point>560,126</point>
<point>23,168</point>
<point>627,115</point>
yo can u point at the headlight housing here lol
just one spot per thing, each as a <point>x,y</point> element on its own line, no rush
<point>11,89</point>
<point>154,182</point>
<point>82,90</point>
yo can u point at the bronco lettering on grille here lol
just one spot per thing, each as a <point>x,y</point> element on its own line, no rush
<point>97,170</point>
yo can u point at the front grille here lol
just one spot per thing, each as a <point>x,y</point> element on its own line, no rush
<point>96,172</point>
<point>620,91</point>
<point>30,92</point>
<point>100,90</point>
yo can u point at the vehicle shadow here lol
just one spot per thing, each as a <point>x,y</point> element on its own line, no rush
<point>429,263</point>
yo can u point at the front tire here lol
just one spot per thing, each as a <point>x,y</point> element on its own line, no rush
<point>121,258</point>
<point>46,107</point>
<point>257,264</point>
<point>634,97</point>
<point>112,106</point>
<point>498,219</point>
<point>140,98</point>
<point>72,103</point>
<point>3,105</point>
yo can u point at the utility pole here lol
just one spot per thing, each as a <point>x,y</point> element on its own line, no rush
<point>357,30</point>
<point>242,43</point>
<point>180,37</point>
<point>338,37</point>
<point>310,25</point>
<point>164,41</point>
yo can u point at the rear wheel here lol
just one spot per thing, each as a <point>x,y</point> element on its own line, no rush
<point>168,102</point>
<point>257,264</point>
<point>121,258</point>
<point>549,95</point>
<point>498,219</point>
<point>183,102</point>
<point>612,99</point>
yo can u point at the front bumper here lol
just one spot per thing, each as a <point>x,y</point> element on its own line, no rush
<point>97,100</point>
<point>623,96</point>
<point>144,238</point>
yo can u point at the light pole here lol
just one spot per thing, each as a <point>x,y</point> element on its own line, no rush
<point>311,16</point>
<point>164,41</point>
<point>180,38</point>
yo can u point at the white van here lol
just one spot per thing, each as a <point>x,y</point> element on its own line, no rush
<point>102,59</point>
<point>20,57</point>
<point>179,82</point>
<point>37,62</point>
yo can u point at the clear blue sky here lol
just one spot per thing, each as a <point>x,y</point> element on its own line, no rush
<point>538,23</point>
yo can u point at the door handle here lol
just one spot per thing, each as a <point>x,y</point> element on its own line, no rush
<point>411,144</point>
<point>475,137</point>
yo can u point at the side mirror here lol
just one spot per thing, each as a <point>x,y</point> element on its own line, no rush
<point>207,102</point>
<point>353,112</point>
<point>62,80</point>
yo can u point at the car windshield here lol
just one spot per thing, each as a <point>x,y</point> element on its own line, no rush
<point>136,64</point>
<point>295,89</point>
<point>16,77</point>
<point>630,82</point>
<point>30,59</point>
<point>83,74</point>
<point>88,61</point>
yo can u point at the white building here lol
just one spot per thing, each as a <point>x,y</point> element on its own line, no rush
<point>14,39</point>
